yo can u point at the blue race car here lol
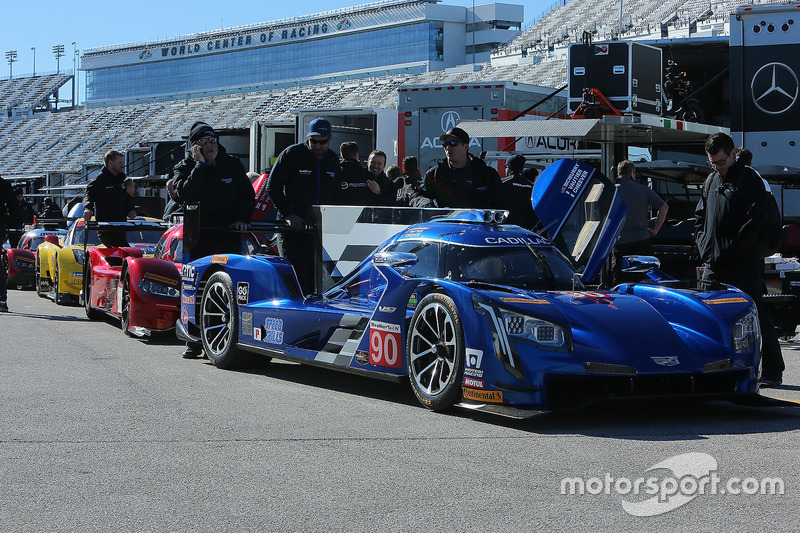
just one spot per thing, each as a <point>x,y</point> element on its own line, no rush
<point>487,316</point>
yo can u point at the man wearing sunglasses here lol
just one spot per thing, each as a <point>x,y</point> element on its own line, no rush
<point>209,176</point>
<point>303,176</point>
<point>462,180</point>
<point>731,216</point>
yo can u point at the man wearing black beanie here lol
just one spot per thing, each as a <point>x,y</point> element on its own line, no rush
<point>219,183</point>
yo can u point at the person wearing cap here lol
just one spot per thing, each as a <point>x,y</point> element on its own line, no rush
<point>303,176</point>
<point>462,180</point>
<point>106,200</point>
<point>517,190</point>
<point>209,176</point>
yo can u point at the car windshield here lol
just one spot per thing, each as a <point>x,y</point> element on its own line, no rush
<point>79,233</point>
<point>530,268</point>
<point>142,237</point>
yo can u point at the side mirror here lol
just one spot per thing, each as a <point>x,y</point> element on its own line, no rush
<point>52,239</point>
<point>640,263</point>
<point>396,260</point>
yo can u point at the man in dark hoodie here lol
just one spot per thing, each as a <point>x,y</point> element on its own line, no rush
<point>9,210</point>
<point>409,185</point>
<point>462,180</point>
<point>218,182</point>
<point>106,199</point>
<point>731,215</point>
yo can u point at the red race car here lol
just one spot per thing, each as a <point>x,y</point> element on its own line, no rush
<point>21,261</point>
<point>144,292</point>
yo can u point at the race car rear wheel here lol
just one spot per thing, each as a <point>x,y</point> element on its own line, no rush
<point>91,312</point>
<point>59,297</point>
<point>219,321</point>
<point>435,352</point>
<point>38,275</point>
<point>125,308</point>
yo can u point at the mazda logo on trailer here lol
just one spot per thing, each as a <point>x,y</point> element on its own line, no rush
<point>450,120</point>
<point>774,88</point>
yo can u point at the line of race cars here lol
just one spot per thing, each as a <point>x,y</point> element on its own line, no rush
<point>470,311</point>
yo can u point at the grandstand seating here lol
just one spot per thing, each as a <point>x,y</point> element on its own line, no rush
<point>66,141</point>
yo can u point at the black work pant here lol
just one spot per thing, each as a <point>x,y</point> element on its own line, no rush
<point>299,251</point>
<point>748,278</point>
<point>113,239</point>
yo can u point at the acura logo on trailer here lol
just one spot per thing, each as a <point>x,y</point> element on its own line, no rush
<point>450,120</point>
<point>774,88</point>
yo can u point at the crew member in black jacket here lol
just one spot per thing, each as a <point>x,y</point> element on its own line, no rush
<point>462,180</point>
<point>9,210</point>
<point>106,200</point>
<point>731,215</point>
<point>303,176</point>
<point>218,182</point>
<point>350,186</point>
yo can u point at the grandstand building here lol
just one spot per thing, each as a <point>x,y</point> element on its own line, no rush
<point>387,37</point>
<point>55,148</point>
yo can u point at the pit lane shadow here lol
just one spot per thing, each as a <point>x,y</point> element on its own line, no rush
<point>625,419</point>
<point>48,317</point>
<point>658,420</point>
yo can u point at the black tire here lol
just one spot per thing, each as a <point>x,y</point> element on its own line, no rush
<point>125,311</point>
<point>435,352</point>
<point>60,298</point>
<point>38,278</point>
<point>219,321</point>
<point>91,312</point>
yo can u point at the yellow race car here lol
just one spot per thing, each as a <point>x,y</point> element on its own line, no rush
<point>59,267</point>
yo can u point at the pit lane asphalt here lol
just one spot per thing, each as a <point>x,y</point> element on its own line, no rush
<point>101,432</point>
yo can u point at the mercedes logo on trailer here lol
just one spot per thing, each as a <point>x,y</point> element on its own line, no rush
<point>774,88</point>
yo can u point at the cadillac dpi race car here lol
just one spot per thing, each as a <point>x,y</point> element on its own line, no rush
<point>490,317</point>
<point>22,259</point>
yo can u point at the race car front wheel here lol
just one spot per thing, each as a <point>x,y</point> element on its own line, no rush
<point>435,352</point>
<point>219,321</point>
<point>125,311</point>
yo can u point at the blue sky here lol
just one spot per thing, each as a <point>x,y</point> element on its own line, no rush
<point>94,23</point>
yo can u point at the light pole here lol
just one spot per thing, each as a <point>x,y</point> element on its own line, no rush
<point>58,51</point>
<point>74,71</point>
<point>11,56</point>
<point>33,48</point>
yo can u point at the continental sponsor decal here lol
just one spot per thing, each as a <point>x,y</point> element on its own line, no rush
<point>221,259</point>
<point>161,279</point>
<point>486,396</point>
<point>513,300</point>
<point>736,300</point>
<point>25,259</point>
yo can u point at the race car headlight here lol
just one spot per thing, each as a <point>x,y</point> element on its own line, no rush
<point>536,329</point>
<point>745,331</point>
<point>149,286</point>
<point>78,255</point>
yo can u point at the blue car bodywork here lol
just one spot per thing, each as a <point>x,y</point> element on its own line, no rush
<point>489,316</point>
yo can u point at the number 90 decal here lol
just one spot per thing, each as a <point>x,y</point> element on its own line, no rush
<point>385,345</point>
